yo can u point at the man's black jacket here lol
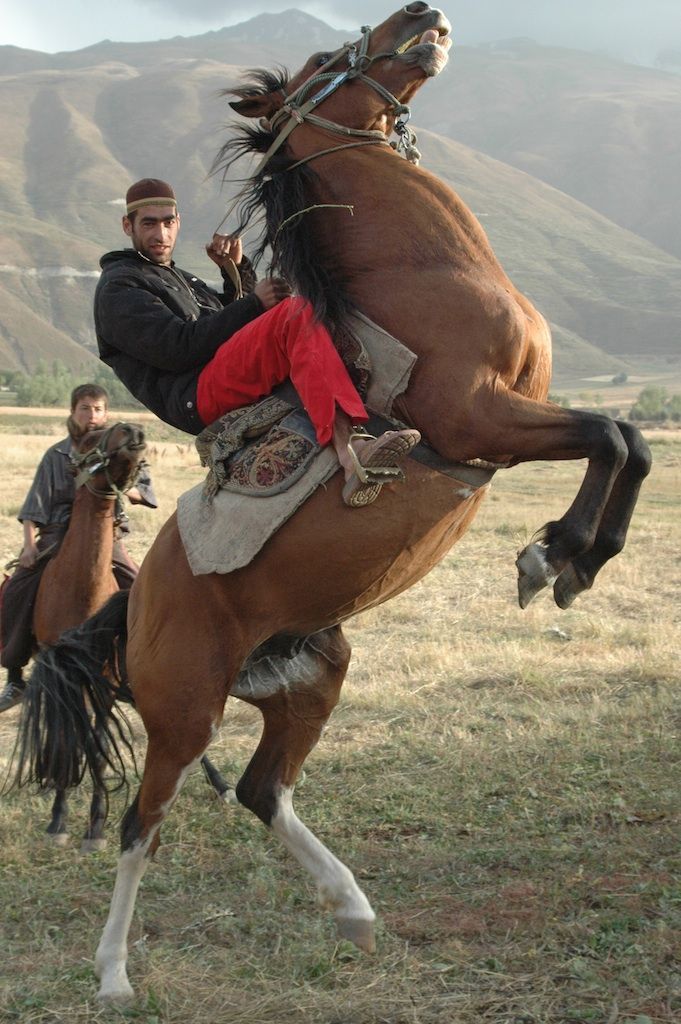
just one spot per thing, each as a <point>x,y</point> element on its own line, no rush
<point>157,327</point>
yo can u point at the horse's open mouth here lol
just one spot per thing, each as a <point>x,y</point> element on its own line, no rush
<point>437,36</point>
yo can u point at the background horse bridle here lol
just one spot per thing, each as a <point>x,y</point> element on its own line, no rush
<point>96,459</point>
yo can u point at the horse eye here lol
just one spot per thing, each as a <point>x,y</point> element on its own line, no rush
<point>322,59</point>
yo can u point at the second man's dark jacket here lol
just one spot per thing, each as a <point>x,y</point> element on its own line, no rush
<point>157,327</point>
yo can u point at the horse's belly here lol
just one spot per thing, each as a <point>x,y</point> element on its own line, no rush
<point>326,564</point>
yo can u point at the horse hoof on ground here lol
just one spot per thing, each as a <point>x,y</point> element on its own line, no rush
<point>534,573</point>
<point>58,838</point>
<point>360,932</point>
<point>116,997</point>
<point>92,845</point>
<point>115,989</point>
<point>229,797</point>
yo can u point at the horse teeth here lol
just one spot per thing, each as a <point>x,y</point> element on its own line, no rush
<point>405,46</point>
<point>431,35</point>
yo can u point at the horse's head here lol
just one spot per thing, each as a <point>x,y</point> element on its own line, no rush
<point>107,461</point>
<point>380,73</point>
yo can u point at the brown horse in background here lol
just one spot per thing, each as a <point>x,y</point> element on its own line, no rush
<point>416,261</point>
<point>78,580</point>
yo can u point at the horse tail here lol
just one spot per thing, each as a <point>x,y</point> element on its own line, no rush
<point>69,725</point>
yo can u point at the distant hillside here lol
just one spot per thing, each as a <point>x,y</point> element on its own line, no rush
<point>264,40</point>
<point>77,128</point>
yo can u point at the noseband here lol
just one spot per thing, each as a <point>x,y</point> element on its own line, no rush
<point>98,458</point>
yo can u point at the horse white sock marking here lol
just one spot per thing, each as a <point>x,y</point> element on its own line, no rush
<point>112,952</point>
<point>338,890</point>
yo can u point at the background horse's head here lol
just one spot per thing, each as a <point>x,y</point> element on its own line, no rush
<point>380,73</point>
<point>107,461</point>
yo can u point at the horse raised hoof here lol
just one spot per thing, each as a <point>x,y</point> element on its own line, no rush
<point>568,586</point>
<point>534,573</point>
<point>358,931</point>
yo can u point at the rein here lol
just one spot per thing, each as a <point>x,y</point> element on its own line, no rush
<point>97,459</point>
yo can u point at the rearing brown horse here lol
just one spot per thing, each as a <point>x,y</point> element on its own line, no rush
<point>416,261</point>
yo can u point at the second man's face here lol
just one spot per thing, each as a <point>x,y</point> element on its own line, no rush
<point>153,231</point>
<point>90,413</point>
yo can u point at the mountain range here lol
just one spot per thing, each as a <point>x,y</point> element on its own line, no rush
<point>571,161</point>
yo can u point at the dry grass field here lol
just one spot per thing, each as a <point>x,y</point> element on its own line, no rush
<point>504,784</point>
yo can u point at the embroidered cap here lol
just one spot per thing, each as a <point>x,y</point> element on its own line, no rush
<point>149,192</point>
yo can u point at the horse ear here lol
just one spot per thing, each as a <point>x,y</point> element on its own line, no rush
<point>259,106</point>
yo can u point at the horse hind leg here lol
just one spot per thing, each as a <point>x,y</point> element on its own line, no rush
<point>295,697</point>
<point>579,574</point>
<point>161,783</point>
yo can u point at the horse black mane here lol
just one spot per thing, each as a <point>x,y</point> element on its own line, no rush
<point>283,192</point>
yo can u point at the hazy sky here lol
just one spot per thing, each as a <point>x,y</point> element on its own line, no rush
<point>636,29</point>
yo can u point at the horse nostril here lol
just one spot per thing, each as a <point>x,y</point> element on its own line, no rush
<point>417,8</point>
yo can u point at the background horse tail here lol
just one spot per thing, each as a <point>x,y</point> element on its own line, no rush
<point>69,725</point>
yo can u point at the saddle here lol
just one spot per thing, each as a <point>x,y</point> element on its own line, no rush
<point>265,448</point>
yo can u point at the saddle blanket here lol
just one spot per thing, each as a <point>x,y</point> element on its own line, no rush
<point>224,529</point>
<point>228,531</point>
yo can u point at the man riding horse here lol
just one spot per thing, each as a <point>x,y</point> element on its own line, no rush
<point>45,516</point>
<point>191,354</point>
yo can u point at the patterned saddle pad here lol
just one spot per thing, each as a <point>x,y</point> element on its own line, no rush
<point>260,450</point>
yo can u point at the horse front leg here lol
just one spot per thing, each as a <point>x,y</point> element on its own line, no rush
<point>94,839</point>
<point>296,696</point>
<point>579,574</point>
<point>223,790</point>
<point>506,422</point>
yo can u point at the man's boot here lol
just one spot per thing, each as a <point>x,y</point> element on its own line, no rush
<point>14,690</point>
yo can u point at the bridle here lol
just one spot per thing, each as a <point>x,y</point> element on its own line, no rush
<point>98,458</point>
<point>297,110</point>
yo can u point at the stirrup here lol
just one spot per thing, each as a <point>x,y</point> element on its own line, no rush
<point>371,474</point>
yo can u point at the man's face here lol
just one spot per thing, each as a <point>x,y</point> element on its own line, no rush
<point>90,413</point>
<point>153,231</point>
